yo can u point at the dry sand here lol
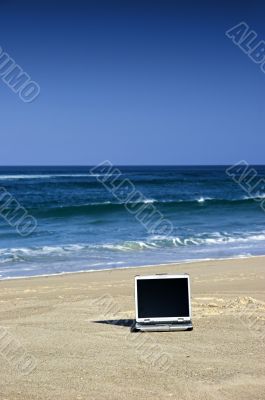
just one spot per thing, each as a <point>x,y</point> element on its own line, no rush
<point>54,321</point>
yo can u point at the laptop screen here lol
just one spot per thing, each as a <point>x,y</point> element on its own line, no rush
<point>162,298</point>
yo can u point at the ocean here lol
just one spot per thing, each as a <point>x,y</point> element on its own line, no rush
<point>82,226</point>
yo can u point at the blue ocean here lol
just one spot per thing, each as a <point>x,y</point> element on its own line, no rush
<point>81,226</point>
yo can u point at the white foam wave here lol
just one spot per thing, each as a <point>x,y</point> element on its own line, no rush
<point>214,238</point>
<point>260,197</point>
<point>48,176</point>
<point>59,252</point>
<point>129,246</point>
<point>141,201</point>
<point>203,199</point>
<point>147,201</point>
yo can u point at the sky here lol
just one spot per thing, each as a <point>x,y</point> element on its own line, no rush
<point>134,82</point>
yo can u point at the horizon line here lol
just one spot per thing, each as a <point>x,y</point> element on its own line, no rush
<point>125,165</point>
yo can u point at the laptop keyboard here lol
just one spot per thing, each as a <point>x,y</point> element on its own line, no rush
<point>166,323</point>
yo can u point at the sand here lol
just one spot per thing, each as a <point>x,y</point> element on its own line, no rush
<point>67,337</point>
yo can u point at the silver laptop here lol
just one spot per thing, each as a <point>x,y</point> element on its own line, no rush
<point>162,303</point>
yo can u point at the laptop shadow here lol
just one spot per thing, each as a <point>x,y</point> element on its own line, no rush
<point>118,322</point>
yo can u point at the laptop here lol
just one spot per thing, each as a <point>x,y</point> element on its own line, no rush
<point>162,303</point>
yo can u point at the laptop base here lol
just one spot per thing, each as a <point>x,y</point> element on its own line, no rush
<point>162,327</point>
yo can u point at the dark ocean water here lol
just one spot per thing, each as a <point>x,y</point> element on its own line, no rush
<point>82,226</point>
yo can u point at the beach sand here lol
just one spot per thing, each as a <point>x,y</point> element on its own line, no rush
<point>61,325</point>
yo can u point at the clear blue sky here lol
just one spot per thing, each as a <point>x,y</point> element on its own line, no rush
<point>135,82</point>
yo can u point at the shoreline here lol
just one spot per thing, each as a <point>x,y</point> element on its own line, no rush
<point>184,262</point>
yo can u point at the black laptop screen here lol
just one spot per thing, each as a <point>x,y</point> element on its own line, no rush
<point>163,298</point>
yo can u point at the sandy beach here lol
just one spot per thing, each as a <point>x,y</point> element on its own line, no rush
<point>68,337</point>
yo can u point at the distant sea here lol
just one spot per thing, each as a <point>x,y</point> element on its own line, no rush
<point>82,226</point>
